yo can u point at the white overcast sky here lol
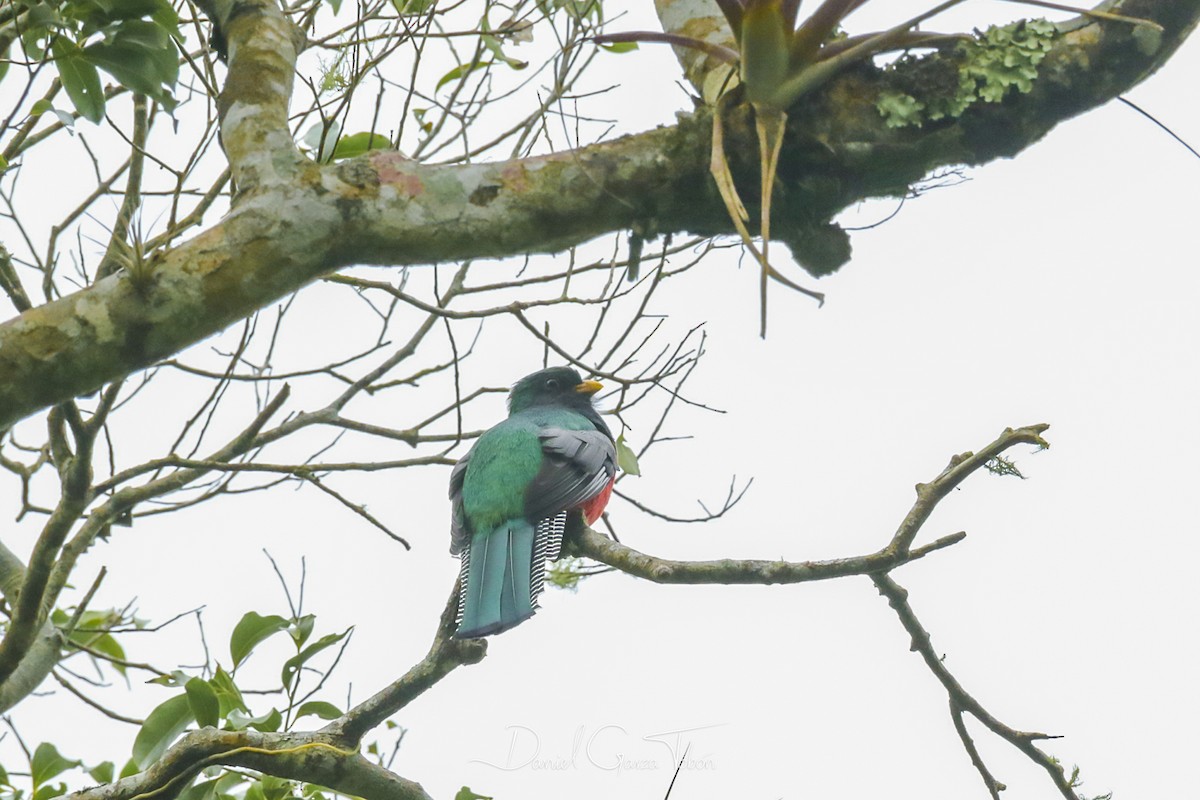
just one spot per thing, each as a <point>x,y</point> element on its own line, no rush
<point>1058,287</point>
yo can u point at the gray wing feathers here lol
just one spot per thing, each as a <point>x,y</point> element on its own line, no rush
<point>460,536</point>
<point>576,467</point>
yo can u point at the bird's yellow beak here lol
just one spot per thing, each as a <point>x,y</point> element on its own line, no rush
<point>589,387</point>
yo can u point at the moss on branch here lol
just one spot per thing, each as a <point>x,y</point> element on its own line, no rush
<point>295,220</point>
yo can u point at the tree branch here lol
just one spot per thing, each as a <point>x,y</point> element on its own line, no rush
<point>328,757</point>
<point>961,700</point>
<point>41,656</point>
<point>295,220</point>
<point>445,655</point>
<point>311,757</point>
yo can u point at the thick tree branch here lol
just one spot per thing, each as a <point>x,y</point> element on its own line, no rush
<point>295,220</point>
<point>40,657</point>
<point>38,593</point>
<point>315,758</point>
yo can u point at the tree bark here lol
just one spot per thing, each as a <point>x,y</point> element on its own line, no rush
<point>295,220</point>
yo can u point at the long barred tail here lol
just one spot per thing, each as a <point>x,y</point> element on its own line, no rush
<point>463,571</point>
<point>547,546</point>
<point>503,573</point>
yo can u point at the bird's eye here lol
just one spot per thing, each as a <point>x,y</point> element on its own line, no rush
<point>551,384</point>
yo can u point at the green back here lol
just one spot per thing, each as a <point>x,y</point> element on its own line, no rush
<point>505,461</point>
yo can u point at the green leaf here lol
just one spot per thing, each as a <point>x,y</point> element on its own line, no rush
<point>204,790</point>
<point>174,678</point>
<point>323,138</point>
<point>620,47</point>
<point>41,107</point>
<point>228,694</point>
<point>493,45</point>
<point>202,698</point>
<point>412,6</point>
<point>466,794</point>
<point>293,664</point>
<point>355,145</point>
<point>98,14</point>
<point>141,56</point>
<point>626,458</point>
<point>268,722</point>
<point>4,777</point>
<point>319,708</point>
<point>102,772</point>
<point>252,629</point>
<point>302,628</point>
<point>212,789</point>
<point>79,78</point>
<point>275,788</point>
<point>50,790</point>
<point>104,643</point>
<point>460,72</point>
<point>47,762</point>
<point>130,768</point>
<point>162,726</point>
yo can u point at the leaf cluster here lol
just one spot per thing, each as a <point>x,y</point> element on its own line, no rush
<point>210,699</point>
<point>134,41</point>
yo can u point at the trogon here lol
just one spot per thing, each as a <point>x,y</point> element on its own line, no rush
<point>512,492</point>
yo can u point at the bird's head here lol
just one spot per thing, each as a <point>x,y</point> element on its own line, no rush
<point>558,386</point>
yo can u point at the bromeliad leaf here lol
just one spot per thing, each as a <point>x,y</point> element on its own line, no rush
<point>250,630</point>
<point>162,726</point>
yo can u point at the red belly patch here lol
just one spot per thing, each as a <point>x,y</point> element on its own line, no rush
<point>592,509</point>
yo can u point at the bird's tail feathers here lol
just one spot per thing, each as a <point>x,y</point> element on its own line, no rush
<point>547,546</point>
<point>494,594</point>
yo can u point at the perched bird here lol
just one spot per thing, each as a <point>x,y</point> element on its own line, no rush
<point>511,494</point>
